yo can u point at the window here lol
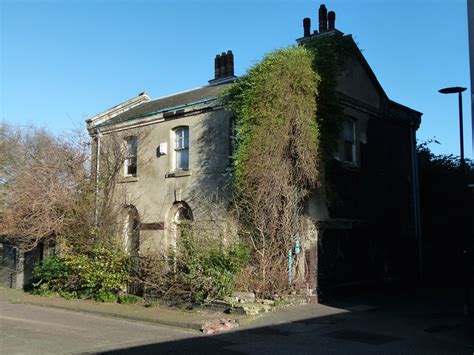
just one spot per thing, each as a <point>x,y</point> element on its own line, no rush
<point>349,141</point>
<point>131,158</point>
<point>181,149</point>
<point>132,231</point>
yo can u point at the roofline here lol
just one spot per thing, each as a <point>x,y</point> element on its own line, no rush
<point>178,93</point>
<point>406,108</point>
<point>367,67</point>
<point>172,108</point>
<point>134,101</point>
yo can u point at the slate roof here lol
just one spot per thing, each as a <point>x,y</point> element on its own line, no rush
<point>168,102</point>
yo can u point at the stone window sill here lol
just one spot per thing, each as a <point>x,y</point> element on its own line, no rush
<point>350,166</point>
<point>176,174</point>
<point>127,179</point>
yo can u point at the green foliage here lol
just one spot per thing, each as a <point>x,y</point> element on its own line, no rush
<point>277,158</point>
<point>330,56</point>
<point>100,274</point>
<point>275,108</point>
<point>106,296</point>
<point>128,299</point>
<point>447,206</point>
<point>51,274</point>
<point>152,304</point>
<point>42,290</point>
<point>206,268</point>
<point>105,270</point>
<point>69,295</point>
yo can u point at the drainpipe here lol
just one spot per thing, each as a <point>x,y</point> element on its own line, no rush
<point>97,166</point>
<point>416,198</point>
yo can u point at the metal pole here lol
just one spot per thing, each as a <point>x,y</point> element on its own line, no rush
<point>467,297</point>
<point>97,167</point>
<point>461,135</point>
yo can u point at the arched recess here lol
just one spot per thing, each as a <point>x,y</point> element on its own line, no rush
<point>132,231</point>
<point>180,214</point>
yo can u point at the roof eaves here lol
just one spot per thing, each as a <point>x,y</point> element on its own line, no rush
<point>151,113</point>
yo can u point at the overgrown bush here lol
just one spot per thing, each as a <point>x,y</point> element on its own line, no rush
<point>202,268</point>
<point>51,274</point>
<point>277,158</point>
<point>206,268</point>
<point>100,275</point>
<point>128,299</point>
<point>105,270</point>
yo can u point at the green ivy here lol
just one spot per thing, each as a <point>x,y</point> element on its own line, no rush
<point>266,101</point>
<point>330,59</point>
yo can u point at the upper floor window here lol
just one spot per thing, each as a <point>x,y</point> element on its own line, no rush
<point>349,153</point>
<point>131,157</point>
<point>181,148</point>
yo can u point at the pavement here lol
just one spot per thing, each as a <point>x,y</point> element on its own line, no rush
<point>159,314</point>
<point>404,321</point>
<point>30,329</point>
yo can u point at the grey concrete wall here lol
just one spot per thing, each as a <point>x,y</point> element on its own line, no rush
<point>155,189</point>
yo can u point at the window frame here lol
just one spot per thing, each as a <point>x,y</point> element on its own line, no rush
<point>131,155</point>
<point>349,141</point>
<point>181,146</point>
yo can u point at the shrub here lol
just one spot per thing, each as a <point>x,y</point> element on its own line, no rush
<point>43,290</point>
<point>106,270</point>
<point>106,296</point>
<point>128,299</point>
<point>206,269</point>
<point>151,304</point>
<point>102,273</point>
<point>69,295</point>
<point>51,273</point>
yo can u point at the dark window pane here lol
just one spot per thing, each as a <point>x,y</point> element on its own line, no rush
<point>348,151</point>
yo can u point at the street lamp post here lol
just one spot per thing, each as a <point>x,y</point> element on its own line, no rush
<point>459,90</point>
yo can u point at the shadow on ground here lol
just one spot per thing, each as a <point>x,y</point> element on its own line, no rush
<point>415,321</point>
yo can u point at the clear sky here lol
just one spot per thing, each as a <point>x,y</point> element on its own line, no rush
<point>64,61</point>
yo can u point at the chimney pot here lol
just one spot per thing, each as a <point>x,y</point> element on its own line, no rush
<point>323,18</point>
<point>307,26</point>
<point>331,21</point>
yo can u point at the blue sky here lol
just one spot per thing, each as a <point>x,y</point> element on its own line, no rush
<point>64,61</point>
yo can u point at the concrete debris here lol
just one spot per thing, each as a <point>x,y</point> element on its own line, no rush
<point>244,297</point>
<point>218,326</point>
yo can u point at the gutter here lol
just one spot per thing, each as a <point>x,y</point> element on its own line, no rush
<point>152,113</point>
<point>97,166</point>
<point>416,198</point>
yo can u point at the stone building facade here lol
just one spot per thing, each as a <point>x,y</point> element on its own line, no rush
<point>180,147</point>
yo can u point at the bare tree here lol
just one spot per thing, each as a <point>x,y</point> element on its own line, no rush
<point>111,197</point>
<point>44,182</point>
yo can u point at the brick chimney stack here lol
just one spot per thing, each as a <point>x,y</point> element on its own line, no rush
<point>331,21</point>
<point>223,67</point>
<point>230,64</point>
<point>217,66</point>
<point>307,26</point>
<point>323,18</point>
